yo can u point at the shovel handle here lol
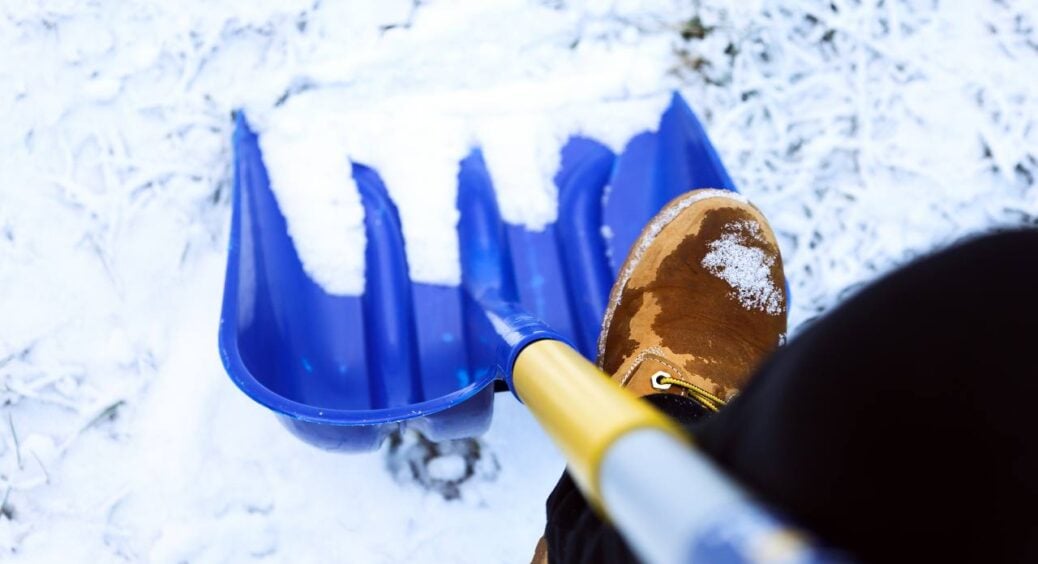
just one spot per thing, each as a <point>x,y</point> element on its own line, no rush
<point>582,410</point>
<point>637,468</point>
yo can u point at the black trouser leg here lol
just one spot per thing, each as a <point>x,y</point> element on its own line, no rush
<point>902,425</point>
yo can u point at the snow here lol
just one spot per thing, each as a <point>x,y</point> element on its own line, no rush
<point>424,99</point>
<point>868,132</point>
<point>314,188</point>
<point>745,267</point>
<point>449,467</point>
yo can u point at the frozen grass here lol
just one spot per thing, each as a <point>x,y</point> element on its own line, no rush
<point>869,132</point>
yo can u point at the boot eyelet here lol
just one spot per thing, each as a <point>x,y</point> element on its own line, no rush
<point>656,380</point>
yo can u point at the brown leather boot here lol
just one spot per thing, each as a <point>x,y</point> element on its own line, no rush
<point>700,302</point>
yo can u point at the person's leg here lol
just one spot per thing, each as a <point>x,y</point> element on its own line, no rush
<point>574,533</point>
<point>899,426</point>
<point>904,424</point>
<point>697,347</point>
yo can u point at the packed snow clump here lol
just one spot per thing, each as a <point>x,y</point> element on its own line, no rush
<point>312,182</point>
<point>424,102</point>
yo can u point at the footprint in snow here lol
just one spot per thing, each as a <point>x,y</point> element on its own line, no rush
<point>441,467</point>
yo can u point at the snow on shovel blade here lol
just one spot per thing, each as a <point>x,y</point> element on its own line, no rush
<point>342,372</point>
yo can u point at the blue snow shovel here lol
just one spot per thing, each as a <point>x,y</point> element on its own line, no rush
<point>342,372</point>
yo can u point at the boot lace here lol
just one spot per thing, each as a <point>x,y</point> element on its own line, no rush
<point>663,381</point>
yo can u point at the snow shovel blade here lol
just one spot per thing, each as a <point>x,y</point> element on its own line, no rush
<point>342,372</point>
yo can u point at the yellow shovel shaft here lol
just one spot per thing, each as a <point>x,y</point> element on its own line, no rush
<point>580,408</point>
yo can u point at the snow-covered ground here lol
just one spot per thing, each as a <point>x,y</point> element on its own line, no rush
<point>869,131</point>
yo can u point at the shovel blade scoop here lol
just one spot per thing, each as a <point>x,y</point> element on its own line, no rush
<point>343,372</point>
